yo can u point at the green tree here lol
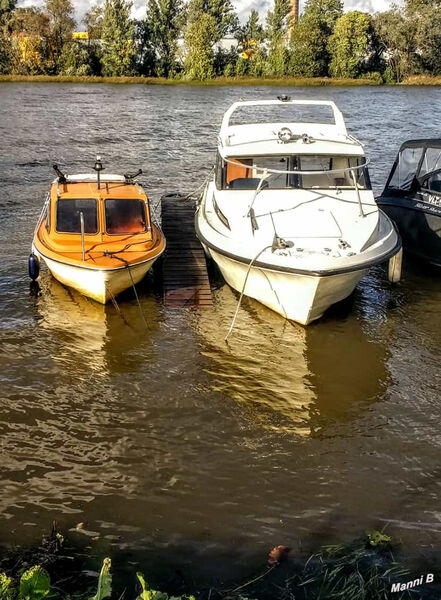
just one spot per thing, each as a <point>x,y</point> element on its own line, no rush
<point>326,11</point>
<point>118,47</point>
<point>225,61</point>
<point>222,11</point>
<point>30,52</point>
<point>276,33</point>
<point>350,44</point>
<point>6,11</point>
<point>61,26</point>
<point>199,58</point>
<point>249,38</point>
<point>308,58</point>
<point>252,30</point>
<point>93,20</point>
<point>396,36</point>
<point>158,36</point>
<point>6,8</point>
<point>76,60</point>
<point>309,37</point>
<point>425,15</point>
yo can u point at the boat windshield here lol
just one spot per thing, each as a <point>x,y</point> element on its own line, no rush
<point>125,215</point>
<point>416,165</point>
<point>246,173</point>
<point>69,212</point>
<point>405,168</point>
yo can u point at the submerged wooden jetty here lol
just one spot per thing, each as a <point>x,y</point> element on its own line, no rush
<point>184,268</point>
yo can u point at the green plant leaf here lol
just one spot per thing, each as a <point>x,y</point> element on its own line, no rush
<point>104,581</point>
<point>378,538</point>
<point>7,590</point>
<point>34,584</point>
<point>148,594</point>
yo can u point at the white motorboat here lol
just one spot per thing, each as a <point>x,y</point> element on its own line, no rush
<point>289,216</point>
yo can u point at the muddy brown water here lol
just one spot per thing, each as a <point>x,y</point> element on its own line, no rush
<point>173,449</point>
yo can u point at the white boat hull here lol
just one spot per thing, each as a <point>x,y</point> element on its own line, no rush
<point>98,284</point>
<point>297,297</point>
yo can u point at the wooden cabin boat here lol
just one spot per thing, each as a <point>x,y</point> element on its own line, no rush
<point>95,233</point>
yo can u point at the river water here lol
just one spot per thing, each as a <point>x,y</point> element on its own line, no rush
<point>170,448</point>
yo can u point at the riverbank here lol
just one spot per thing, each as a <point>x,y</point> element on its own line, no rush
<point>414,80</point>
<point>217,81</point>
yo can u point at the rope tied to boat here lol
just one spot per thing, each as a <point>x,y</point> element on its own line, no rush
<point>123,260</point>
<point>233,322</point>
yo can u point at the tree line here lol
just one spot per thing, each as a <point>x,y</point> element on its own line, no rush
<point>178,39</point>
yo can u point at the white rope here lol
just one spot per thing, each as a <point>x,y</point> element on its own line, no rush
<point>233,322</point>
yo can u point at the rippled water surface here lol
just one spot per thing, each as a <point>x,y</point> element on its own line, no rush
<point>167,440</point>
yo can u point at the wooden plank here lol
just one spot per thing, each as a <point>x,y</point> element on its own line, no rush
<point>185,276</point>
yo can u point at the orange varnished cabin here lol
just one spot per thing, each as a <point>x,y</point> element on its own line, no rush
<point>96,234</point>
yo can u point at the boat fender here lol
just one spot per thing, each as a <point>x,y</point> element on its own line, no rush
<point>34,266</point>
<point>395,264</point>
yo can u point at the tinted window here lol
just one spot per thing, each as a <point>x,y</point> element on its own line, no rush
<point>68,215</point>
<point>125,216</point>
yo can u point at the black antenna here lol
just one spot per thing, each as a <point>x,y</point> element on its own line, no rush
<point>61,176</point>
<point>129,177</point>
<point>98,168</point>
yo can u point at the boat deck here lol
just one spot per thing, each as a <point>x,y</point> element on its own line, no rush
<point>184,269</point>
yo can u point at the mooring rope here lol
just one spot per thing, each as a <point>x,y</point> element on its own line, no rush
<point>123,260</point>
<point>233,322</point>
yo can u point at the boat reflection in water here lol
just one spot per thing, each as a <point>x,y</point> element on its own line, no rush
<point>84,332</point>
<point>289,378</point>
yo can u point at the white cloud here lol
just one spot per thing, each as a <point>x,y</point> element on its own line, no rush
<point>243,6</point>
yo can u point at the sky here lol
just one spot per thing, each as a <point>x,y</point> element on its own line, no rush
<point>243,6</point>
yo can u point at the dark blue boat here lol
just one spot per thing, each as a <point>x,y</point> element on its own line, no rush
<point>412,197</point>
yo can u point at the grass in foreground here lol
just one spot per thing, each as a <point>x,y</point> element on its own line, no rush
<point>362,570</point>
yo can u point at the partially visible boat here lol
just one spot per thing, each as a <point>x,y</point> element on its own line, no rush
<point>412,197</point>
<point>289,216</point>
<point>95,233</point>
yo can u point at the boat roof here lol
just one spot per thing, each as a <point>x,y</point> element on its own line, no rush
<point>422,143</point>
<point>262,139</point>
<point>412,167</point>
<point>85,185</point>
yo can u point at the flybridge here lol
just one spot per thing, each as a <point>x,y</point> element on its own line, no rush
<point>320,120</point>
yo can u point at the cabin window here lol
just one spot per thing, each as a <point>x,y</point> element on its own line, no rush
<point>125,216</point>
<point>323,180</point>
<point>69,211</point>
<point>237,174</point>
<point>248,173</point>
<point>405,168</point>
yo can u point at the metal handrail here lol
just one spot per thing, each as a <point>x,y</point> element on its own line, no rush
<point>83,251</point>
